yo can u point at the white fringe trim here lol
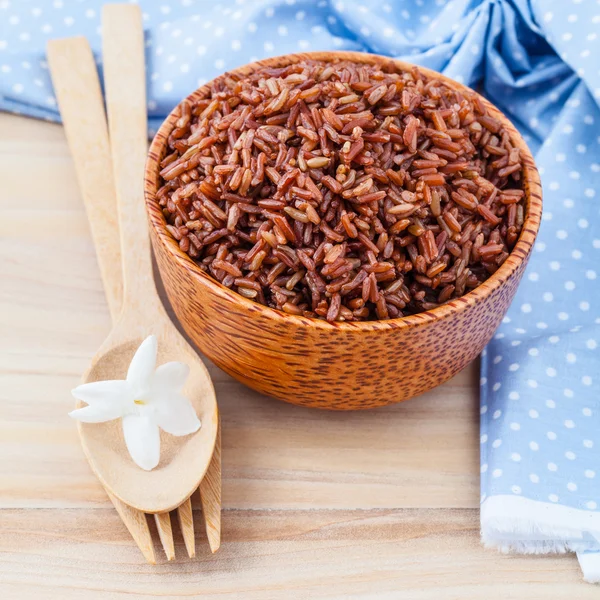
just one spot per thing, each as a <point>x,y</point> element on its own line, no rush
<point>590,565</point>
<point>516,524</point>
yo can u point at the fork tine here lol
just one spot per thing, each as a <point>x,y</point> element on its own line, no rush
<point>136,523</point>
<point>165,533</point>
<point>210,496</point>
<point>186,524</point>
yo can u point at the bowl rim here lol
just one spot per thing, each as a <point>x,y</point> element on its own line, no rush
<point>521,251</point>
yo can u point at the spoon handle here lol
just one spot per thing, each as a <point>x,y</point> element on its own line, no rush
<point>125,85</point>
<point>77,89</point>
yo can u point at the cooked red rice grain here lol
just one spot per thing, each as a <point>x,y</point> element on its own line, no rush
<point>342,191</point>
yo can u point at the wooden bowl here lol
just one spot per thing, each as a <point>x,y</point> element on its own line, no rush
<point>341,365</point>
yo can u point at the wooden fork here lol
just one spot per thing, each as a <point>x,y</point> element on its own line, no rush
<point>77,88</point>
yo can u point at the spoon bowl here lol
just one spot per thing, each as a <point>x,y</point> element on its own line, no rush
<point>183,460</point>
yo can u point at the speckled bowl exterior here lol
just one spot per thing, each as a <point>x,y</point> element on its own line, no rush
<point>340,366</point>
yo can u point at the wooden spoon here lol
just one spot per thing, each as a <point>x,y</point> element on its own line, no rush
<point>184,460</point>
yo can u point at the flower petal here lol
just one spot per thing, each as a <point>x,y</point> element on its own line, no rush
<point>143,440</point>
<point>176,415</point>
<point>97,413</point>
<point>170,377</point>
<point>101,392</point>
<point>141,369</point>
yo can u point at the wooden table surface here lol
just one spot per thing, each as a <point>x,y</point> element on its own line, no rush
<point>380,504</point>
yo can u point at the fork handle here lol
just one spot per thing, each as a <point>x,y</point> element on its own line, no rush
<point>125,85</point>
<point>210,496</point>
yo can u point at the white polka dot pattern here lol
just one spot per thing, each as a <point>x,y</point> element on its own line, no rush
<point>547,346</point>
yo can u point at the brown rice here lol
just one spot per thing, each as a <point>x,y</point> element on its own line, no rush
<point>342,191</point>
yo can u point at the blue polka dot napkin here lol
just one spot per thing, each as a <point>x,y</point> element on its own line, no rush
<point>535,59</point>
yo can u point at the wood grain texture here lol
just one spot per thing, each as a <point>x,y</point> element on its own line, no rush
<point>185,517</point>
<point>341,365</point>
<point>125,85</point>
<point>210,497</point>
<point>165,533</point>
<point>299,486</point>
<point>137,525</point>
<point>279,555</point>
<point>77,88</point>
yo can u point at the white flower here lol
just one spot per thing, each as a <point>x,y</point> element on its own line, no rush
<point>146,400</point>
